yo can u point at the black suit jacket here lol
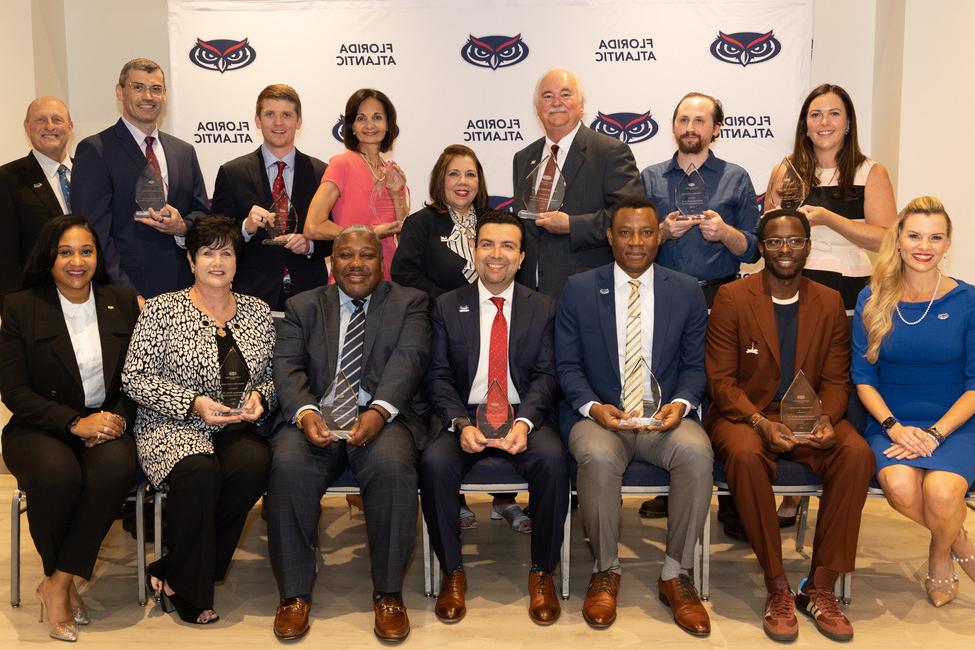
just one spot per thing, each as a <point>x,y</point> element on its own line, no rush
<point>39,377</point>
<point>106,168</point>
<point>457,346</point>
<point>242,183</point>
<point>395,352</point>
<point>27,202</point>
<point>598,172</point>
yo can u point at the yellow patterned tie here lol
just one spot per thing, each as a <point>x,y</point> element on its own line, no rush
<point>633,384</point>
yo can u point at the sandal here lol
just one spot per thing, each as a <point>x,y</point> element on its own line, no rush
<point>967,563</point>
<point>515,516</point>
<point>189,612</point>
<point>468,520</point>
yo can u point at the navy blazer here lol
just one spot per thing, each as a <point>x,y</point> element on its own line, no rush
<point>106,168</point>
<point>457,346</point>
<point>27,202</point>
<point>585,338</point>
<point>242,183</point>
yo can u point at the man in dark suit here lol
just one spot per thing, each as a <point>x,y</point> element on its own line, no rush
<point>618,327</point>
<point>376,336</point>
<point>596,172</point>
<point>34,189</point>
<point>249,191</point>
<point>493,345</point>
<point>765,329</point>
<point>145,253</point>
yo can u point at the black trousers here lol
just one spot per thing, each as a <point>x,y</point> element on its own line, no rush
<point>208,498</point>
<point>74,493</point>
<point>543,464</point>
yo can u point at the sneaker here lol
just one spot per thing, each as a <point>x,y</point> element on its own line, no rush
<point>820,605</point>
<point>780,622</point>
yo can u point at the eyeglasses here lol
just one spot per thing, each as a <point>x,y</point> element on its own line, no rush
<point>775,243</point>
<point>142,89</point>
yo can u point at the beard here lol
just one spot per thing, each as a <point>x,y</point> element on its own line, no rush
<point>687,147</point>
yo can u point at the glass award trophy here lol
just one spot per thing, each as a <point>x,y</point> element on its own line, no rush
<point>340,407</point>
<point>692,196</point>
<point>495,416</point>
<point>790,188</point>
<point>651,399</point>
<point>382,207</point>
<point>234,383</point>
<point>285,221</point>
<point>546,196</point>
<point>150,193</point>
<point>800,408</point>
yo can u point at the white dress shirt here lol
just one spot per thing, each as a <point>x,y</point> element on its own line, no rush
<point>82,323</point>
<point>50,168</point>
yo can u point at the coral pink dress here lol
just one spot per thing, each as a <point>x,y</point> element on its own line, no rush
<point>349,172</point>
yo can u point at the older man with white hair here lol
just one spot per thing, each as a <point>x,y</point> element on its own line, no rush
<point>594,172</point>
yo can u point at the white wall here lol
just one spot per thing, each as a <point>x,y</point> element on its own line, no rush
<point>17,54</point>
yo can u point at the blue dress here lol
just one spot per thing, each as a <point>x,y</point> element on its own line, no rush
<point>922,370</point>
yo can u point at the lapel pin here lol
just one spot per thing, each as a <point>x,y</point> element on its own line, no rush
<point>604,292</point>
<point>463,309</point>
<point>752,348</point>
<point>37,185</point>
<point>944,316</point>
<point>533,162</point>
<point>109,306</point>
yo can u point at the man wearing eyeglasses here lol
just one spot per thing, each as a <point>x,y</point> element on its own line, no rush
<point>763,330</point>
<point>144,252</point>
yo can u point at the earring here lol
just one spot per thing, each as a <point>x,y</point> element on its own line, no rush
<point>847,130</point>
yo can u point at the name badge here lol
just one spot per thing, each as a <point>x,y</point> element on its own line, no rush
<point>463,309</point>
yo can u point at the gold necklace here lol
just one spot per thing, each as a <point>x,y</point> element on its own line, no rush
<point>377,179</point>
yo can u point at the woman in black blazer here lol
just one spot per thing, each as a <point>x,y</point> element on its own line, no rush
<point>63,342</point>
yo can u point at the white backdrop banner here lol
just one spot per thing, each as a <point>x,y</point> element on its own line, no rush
<point>464,72</point>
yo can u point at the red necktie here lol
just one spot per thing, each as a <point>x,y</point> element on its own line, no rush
<point>153,161</point>
<point>498,362</point>
<point>282,207</point>
<point>548,177</point>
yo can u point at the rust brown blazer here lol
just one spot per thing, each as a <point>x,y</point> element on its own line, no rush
<point>743,318</point>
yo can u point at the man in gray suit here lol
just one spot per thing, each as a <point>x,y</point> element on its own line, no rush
<point>596,172</point>
<point>376,336</point>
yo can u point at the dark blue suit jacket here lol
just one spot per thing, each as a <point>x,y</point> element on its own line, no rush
<point>585,337</point>
<point>106,168</point>
<point>457,345</point>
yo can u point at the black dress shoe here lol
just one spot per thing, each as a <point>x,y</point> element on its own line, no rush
<point>655,508</point>
<point>728,516</point>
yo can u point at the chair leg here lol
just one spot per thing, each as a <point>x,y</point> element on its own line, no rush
<point>801,527</point>
<point>566,549</point>
<point>428,577</point>
<point>157,533</point>
<point>435,575</point>
<point>140,540</point>
<point>846,594</point>
<point>703,583</point>
<point>15,547</point>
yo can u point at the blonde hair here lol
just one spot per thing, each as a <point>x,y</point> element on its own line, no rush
<point>887,281</point>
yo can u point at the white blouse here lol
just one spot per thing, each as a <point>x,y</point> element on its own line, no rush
<point>82,323</point>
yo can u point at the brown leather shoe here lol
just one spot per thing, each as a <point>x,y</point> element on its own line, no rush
<point>392,623</point>
<point>543,604</point>
<point>450,603</point>
<point>780,622</point>
<point>599,607</point>
<point>680,595</point>
<point>291,619</point>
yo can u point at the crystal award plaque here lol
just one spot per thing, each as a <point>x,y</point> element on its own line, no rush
<point>285,221</point>
<point>790,188</point>
<point>651,399</point>
<point>495,416</point>
<point>692,196</point>
<point>340,407</point>
<point>546,196</point>
<point>801,408</point>
<point>234,383</point>
<point>382,207</point>
<point>150,193</point>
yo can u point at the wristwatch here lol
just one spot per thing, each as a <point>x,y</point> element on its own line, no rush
<point>888,424</point>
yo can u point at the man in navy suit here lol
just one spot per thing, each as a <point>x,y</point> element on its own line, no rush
<point>145,253</point>
<point>612,323</point>
<point>246,191</point>
<point>493,340</point>
<point>34,189</point>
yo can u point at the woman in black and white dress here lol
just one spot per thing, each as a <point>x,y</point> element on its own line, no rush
<point>197,355</point>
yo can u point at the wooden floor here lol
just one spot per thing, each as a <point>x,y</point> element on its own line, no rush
<point>889,609</point>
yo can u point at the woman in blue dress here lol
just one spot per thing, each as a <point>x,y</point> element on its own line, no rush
<point>914,369</point>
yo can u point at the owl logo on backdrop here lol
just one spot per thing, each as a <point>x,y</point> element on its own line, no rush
<point>500,203</point>
<point>629,128</point>
<point>494,51</point>
<point>222,54</point>
<point>337,129</point>
<point>745,47</point>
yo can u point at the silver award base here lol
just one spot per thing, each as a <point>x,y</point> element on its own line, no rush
<point>528,215</point>
<point>339,434</point>
<point>144,214</point>
<point>274,242</point>
<point>231,413</point>
<point>643,422</point>
<point>691,217</point>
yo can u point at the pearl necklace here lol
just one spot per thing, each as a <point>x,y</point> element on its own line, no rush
<point>377,179</point>
<point>926,310</point>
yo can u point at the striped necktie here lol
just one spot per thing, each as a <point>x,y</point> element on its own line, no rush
<point>633,353</point>
<point>350,363</point>
<point>65,188</point>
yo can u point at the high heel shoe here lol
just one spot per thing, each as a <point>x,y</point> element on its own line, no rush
<point>79,610</point>
<point>966,563</point>
<point>62,631</point>
<point>941,591</point>
<point>157,571</point>
<point>187,611</point>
